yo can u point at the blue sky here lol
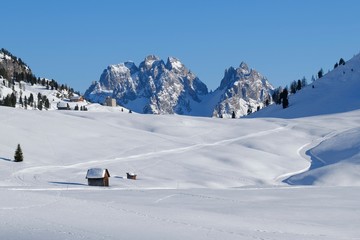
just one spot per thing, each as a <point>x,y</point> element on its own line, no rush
<point>73,41</point>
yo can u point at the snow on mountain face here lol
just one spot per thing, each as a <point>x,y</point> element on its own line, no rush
<point>12,65</point>
<point>153,87</point>
<point>242,89</point>
<point>156,87</point>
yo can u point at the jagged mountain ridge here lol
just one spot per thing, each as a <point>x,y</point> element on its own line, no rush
<point>153,87</point>
<point>167,88</point>
<point>243,89</point>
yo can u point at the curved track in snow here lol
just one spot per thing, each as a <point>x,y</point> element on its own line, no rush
<point>33,174</point>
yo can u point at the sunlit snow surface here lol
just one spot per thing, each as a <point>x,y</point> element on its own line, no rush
<point>284,174</point>
<point>198,178</point>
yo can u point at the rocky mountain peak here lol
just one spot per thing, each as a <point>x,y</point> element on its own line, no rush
<point>150,60</point>
<point>131,66</point>
<point>156,87</point>
<point>174,64</point>
<point>244,68</point>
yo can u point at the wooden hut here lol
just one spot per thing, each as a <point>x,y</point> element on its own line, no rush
<point>98,177</point>
<point>131,176</point>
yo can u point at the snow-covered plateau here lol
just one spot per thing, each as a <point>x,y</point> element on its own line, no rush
<point>277,174</point>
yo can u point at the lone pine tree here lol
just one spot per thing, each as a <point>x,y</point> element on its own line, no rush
<point>18,157</point>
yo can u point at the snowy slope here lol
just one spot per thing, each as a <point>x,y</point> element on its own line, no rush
<point>336,92</point>
<point>335,161</point>
<point>334,158</point>
<point>24,89</point>
<point>198,178</point>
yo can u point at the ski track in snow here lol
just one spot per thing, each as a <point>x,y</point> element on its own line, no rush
<point>36,171</point>
<point>305,153</point>
<point>302,153</point>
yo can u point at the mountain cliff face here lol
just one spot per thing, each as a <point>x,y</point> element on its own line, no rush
<point>11,66</point>
<point>153,87</point>
<point>168,88</point>
<point>242,90</point>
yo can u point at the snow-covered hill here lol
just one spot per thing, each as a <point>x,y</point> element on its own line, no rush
<point>334,157</point>
<point>156,87</point>
<point>336,92</point>
<point>197,178</point>
<point>12,66</point>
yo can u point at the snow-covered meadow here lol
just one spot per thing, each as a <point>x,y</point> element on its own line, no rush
<point>198,178</point>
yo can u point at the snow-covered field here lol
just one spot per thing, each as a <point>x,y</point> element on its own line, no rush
<point>278,174</point>
<point>198,178</point>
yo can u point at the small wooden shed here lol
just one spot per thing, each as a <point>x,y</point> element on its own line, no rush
<point>98,177</point>
<point>131,176</point>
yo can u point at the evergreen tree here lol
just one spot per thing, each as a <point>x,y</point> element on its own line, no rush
<point>284,97</point>
<point>6,101</point>
<point>31,99</point>
<point>312,78</point>
<point>285,103</point>
<point>293,87</point>
<point>320,73</point>
<point>47,103</point>
<point>298,87</point>
<point>233,115</point>
<point>267,102</point>
<point>18,157</point>
<point>13,100</point>
<point>304,82</point>
<point>341,61</point>
<point>249,111</point>
<point>40,105</point>
<point>276,95</point>
<point>3,73</point>
<point>25,102</point>
<point>21,101</point>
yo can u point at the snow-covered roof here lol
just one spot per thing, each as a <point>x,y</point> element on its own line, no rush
<point>97,173</point>
<point>62,104</point>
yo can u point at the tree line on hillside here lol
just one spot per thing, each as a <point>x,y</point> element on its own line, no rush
<point>26,102</point>
<point>280,95</point>
<point>28,77</point>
